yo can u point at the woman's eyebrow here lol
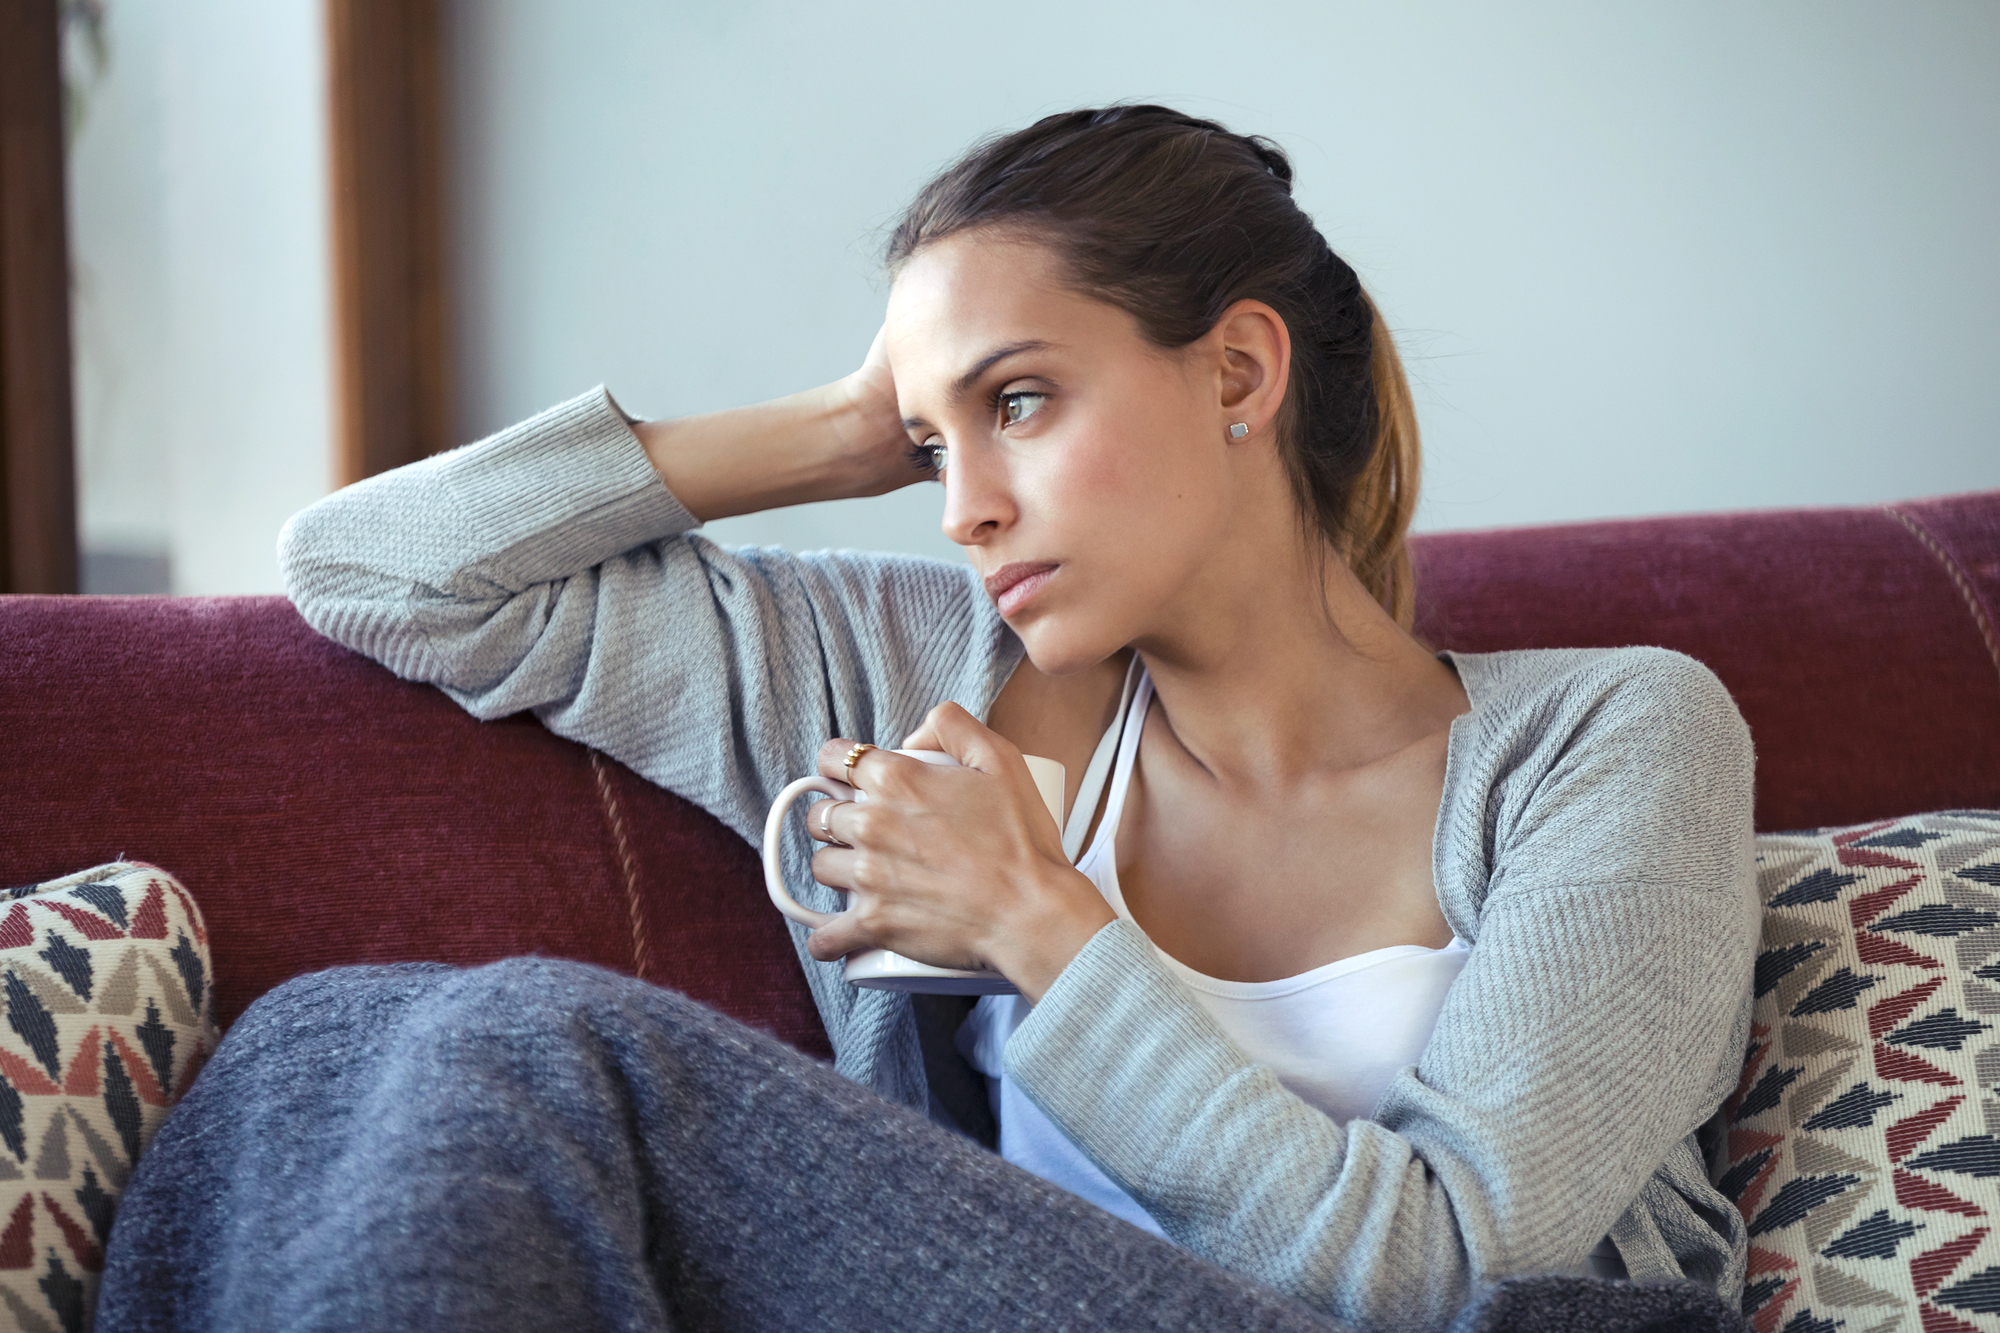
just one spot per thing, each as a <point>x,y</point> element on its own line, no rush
<point>963,383</point>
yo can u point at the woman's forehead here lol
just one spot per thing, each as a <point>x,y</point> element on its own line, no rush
<point>958,299</point>
<point>973,278</point>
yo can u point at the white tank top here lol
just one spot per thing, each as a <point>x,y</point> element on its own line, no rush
<point>1335,1035</point>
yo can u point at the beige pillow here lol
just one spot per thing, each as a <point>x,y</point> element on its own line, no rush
<point>104,978</point>
<point>1864,1140</point>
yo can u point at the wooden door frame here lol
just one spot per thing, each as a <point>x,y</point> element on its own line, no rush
<point>37,424</point>
<point>386,149</point>
<point>386,156</point>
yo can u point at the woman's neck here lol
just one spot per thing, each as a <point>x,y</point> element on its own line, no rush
<point>1267,678</point>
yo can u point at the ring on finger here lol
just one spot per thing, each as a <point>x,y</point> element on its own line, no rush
<point>826,821</point>
<point>852,756</point>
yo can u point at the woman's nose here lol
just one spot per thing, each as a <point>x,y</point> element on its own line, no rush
<point>978,502</point>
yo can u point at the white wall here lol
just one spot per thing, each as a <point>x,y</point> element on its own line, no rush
<point>118,307</point>
<point>199,243</point>
<point>1642,259</point>
<point>248,284</point>
<point>1685,257</point>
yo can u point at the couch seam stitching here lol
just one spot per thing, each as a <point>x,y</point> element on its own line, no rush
<point>641,963</point>
<point>1959,579</point>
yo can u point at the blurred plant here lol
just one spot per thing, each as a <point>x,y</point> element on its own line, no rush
<point>86,53</point>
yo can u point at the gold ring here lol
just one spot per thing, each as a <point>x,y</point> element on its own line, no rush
<point>853,755</point>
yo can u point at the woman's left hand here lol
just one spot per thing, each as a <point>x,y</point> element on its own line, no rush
<point>957,867</point>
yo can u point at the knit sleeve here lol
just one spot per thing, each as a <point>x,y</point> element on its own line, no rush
<point>548,569</point>
<point>1597,1023</point>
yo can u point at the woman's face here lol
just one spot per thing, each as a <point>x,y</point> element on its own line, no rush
<point>1077,452</point>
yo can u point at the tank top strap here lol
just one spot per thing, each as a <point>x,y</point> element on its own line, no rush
<point>1134,725</point>
<point>1098,772</point>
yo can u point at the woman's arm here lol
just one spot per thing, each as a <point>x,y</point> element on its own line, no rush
<point>1600,1019</point>
<point>842,440</point>
<point>548,568</point>
<point>371,564</point>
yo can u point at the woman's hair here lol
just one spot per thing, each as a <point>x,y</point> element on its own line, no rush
<point>1173,219</point>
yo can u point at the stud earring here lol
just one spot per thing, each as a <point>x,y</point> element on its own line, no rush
<point>1238,429</point>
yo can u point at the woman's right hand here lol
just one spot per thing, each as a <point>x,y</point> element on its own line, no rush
<point>873,433</point>
<point>840,440</point>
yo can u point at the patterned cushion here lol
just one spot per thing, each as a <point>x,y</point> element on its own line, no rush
<point>105,982</point>
<point>1862,1146</point>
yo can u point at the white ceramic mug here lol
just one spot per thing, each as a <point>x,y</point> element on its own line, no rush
<point>879,969</point>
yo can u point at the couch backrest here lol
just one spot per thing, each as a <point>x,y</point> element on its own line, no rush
<point>1859,643</point>
<point>323,811</point>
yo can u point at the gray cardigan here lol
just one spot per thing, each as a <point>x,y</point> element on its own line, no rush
<point>1593,846</point>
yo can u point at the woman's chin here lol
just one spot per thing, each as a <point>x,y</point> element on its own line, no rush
<point>1056,653</point>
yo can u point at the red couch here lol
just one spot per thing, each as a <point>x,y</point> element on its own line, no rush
<point>324,812</point>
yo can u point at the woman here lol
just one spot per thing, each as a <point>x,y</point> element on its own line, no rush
<point>1381,974</point>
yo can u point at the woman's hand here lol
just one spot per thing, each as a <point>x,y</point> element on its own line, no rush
<point>871,431</point>
<point>955,867</point>
<point>835,442</point>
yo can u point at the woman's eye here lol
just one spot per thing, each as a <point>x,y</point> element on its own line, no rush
<point>929,456</point>
<point>1019,406</point>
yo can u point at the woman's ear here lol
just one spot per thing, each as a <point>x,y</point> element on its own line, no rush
<point>1253,363</point>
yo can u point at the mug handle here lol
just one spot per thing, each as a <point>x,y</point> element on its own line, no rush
<point>773,829</point>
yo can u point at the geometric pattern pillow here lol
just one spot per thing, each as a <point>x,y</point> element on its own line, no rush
<point>104,977</point>
<point>1863,1144</point>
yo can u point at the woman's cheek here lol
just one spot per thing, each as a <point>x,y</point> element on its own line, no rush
<point>1096,472</point>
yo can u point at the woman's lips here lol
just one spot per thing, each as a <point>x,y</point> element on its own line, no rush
<point>1011,585</point>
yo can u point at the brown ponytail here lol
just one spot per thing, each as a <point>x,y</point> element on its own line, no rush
<point>1173,219</point>
<point>1384,498</point>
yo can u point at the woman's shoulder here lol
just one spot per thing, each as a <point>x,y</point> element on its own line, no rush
<point>1520,671</point>
<point>1597,761</point>
<point>892,634</point>
<point>909,610</point>
<point>1555,695</point>
<point>860,577</point>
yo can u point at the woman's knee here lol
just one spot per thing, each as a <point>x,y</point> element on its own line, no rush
<point>508,990</point>
<point>550,996</point>
<point>526,1020</point>
<point>526,1017</point>
<point>534,981</point>
<point>307,1009</point>
<point>361,1014</point>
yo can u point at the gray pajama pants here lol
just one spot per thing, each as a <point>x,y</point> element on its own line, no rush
<point>546,1145</point>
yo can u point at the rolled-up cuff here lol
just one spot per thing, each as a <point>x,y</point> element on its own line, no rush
<point>564,490</point>
<point>1119,1055</point>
